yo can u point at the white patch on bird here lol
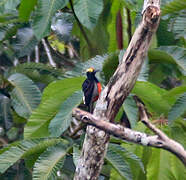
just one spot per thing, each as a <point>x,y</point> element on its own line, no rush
<point>84,99</point>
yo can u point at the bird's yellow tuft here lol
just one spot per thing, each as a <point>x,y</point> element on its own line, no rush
<point>90,70</point>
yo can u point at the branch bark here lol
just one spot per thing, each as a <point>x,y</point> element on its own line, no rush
<point>118,88</point>
<point>51,61</point>
<point>160,140</point>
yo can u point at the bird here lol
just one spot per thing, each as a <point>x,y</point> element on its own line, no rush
<point>91,88</point>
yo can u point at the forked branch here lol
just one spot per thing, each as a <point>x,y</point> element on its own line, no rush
<point>159,140</point>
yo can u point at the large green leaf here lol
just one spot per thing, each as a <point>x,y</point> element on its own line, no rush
<point>127,155</point>
<point>119,164</point>
<point>25,42</point>
<point>38,72</point>
<point>178,25</point>
<point>131,110</point>
<point>9,5</point>
<point>25,9</point>
<point>63,118</point>
<point>112,26</point>
<point>80,68</point>
<point>159,166</point>
<point>169,54</point>
<point>177,167</point>
<point>175,92</point>
<point>43,16</point>
<point>179,55</point>
<point>53,96</point>
<point>88,11</point>
<point>178,108</point>
<point>49,163</point>
<point>25,96</point>
<point>174,6</point>
<point>152,96</point>
<point>11,154</point>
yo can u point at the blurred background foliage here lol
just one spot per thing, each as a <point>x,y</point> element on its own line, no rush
<point>45,46</point>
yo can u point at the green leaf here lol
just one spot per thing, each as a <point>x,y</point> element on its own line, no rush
<point>25,42</point>
<point>174,93</point>
<point>11,154</point>
<point>88,11</point>
<point>80,68</point>
<point>178,108</point>
<point>76,154</point>
<point>152,96</point>
<point>25,9</point>
<point>53,96</point>
<point>169,54</point>
<point>25,96</point>
<point>131,110</point>
<point>177,167</point>
<point>111,28</point>
<point>49,163</point>
<point>119,164</point>
<point>159,166</point>
<point>38,72</point>
<point>128,156</point>
<point>178,54</point>
<point>43,16</point>
<point>178,25</point>
<point>63,118</point>
<point>173,6</point>
<point>144,73</point>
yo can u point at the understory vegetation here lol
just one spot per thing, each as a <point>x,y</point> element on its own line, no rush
<point>45,48</point>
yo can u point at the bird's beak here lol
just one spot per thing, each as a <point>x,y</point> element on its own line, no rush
<point>97,71</point>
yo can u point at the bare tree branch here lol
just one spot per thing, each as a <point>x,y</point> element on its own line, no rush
<point>52,63</point>
<point>37,54</point>
<point>118,88</point>
<point>160,140</point>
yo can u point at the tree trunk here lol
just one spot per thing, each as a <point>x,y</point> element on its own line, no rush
<point>114,94</point>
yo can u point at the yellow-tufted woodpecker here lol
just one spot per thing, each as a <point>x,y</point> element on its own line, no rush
<point>91,88</point>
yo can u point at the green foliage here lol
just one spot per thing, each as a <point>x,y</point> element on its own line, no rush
<point>178,108</point>
<point>159,166</point>
<point>80,68</point>
<point>53,96</point>
<point>131,110</point>
<point>121,166</point>
<point>49,163</point>
<point>63,118</point>
<point>38,72</point>
<point>25,96</point>
<point>25,9</point>
<point>43,16</point>
<point>25,42</point>
<point>160,85</point>
<point>178,25</point>
<point>88,11</point>
<point>173,6</point>
<point>152,95</point>
<point>22,149</point>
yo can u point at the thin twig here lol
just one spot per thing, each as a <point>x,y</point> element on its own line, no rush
<point>52,63</point>
<point>37,54</point>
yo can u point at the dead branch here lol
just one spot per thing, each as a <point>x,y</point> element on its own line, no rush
<point>114,94</point>
<point>51,61</point>
<point>160,140</point>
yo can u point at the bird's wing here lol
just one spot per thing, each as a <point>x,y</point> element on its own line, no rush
<point>88,88</point>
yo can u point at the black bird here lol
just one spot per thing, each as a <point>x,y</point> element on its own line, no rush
<point>91,88</point>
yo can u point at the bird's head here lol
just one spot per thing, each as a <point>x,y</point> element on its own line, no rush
<point>91,73</point>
